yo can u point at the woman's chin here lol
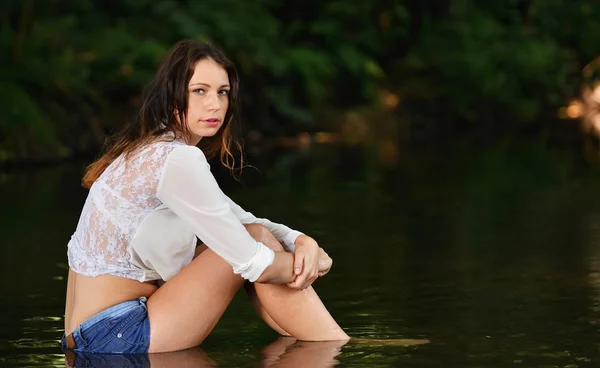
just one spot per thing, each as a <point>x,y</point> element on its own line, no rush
<point>206,132</point>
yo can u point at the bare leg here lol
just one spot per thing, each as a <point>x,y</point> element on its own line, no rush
<point>263,235</point>
<point>250,286</point>
<point>251,291</point>
<point>290,312</point>
<point>187,307</point>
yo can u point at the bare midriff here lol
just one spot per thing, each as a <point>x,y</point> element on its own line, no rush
<point>87,296</point>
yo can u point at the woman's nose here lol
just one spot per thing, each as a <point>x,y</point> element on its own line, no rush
<point>212,102</point>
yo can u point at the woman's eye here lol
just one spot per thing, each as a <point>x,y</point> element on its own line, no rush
<point>198,90</point>
<point>224,92</point>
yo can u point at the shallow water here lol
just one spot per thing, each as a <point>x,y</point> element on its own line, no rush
<point>493,258</point>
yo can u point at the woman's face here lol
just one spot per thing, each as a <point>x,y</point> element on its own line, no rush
<point>208,99</point>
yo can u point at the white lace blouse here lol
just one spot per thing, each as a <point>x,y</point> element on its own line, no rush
<point>141,218</point>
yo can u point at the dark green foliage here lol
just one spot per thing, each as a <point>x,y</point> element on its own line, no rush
<point>72,71</point>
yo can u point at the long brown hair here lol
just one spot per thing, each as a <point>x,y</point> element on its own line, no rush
<point>164,105</point>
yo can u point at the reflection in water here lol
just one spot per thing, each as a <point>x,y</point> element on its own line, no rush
<point>283,352</point>
<point>288,352</point>
<point>79,360</point>
<point>594,259</point>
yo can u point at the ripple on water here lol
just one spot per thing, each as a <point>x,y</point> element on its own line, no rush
<point>27,343</point>
<point>42,319</point>
<point>33,360</point>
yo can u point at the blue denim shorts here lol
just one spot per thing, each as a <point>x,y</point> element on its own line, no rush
<point>121,329</point>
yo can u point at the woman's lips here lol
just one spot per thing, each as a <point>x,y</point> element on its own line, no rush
<point>211,122</point>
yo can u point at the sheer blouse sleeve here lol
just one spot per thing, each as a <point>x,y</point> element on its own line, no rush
<point>189,189</point>
<point>284,234</point>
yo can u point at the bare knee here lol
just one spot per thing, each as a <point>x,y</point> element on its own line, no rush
<point>260,233</point>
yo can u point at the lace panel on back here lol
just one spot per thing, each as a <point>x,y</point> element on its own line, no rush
<point>116,205</point>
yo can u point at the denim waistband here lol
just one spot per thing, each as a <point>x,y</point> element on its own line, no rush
<point>114,311</point>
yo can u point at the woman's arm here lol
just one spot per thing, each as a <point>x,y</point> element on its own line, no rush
<point>280,271</point>
<point>189,189</point>
<point>310,261</point>
<point>284,234</point>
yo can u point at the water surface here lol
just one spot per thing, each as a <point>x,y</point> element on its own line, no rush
<point>494,257</point>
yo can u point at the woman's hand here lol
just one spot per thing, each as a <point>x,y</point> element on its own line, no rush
<point>306,262</point>
<point>325,262</point>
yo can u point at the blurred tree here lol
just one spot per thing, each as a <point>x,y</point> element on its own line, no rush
<point>72,72</point>
<point>500,67</point>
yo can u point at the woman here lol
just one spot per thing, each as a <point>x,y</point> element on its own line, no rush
<point>151,194</point>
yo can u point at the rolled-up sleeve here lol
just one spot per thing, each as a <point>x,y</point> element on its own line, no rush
<point>285,235</point>
<point>189,189</point>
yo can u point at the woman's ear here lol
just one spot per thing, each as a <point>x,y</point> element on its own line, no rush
<point>177,117</point>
